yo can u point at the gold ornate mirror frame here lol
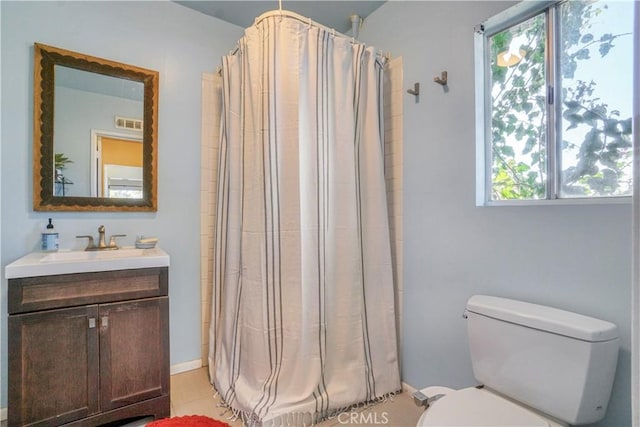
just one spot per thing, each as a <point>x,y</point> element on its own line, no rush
<point>44,198</point>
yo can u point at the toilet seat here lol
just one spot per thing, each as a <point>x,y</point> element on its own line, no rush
<point>478,407</point>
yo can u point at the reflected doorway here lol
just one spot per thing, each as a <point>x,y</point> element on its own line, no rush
<point>116,165</point>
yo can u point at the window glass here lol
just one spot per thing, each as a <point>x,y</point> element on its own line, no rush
<point>518,111</point>
<point>595,55</point>
<point>554,102</point>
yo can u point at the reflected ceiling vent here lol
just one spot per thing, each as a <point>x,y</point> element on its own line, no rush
<point>127,123</point>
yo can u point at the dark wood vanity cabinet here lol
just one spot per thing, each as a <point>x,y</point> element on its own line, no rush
<point>88,349</point>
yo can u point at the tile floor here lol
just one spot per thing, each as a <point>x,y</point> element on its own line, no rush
<point>191,394</point>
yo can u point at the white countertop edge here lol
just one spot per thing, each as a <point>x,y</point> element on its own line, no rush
<point>31,265</point>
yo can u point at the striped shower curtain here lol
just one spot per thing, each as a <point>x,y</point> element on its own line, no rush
<point>302,322</point>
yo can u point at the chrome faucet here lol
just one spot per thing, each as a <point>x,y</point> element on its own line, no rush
<point>102,244</point>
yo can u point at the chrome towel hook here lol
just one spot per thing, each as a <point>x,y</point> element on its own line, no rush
<point>442,79</point>
<point>415,91</point>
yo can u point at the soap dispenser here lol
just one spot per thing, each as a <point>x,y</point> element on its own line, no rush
<point>49,238</point>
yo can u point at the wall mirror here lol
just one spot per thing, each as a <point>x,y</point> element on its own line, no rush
<point>95,133</point>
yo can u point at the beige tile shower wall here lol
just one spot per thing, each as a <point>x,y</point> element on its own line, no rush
<point>211,104</point>
<point>393,97</point>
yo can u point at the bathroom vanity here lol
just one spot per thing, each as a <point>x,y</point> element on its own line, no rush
<point>88,337</point>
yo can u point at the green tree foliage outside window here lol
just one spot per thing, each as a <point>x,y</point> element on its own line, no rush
<point>592,146</point>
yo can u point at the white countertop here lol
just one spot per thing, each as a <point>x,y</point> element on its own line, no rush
<point>67,262</point>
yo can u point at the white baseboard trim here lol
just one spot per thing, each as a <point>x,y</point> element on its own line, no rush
<point>3,414</point>
<point>408,389</point>
<point>185,366</point>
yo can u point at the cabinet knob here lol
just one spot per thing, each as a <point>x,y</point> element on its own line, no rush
<point>92,322</point>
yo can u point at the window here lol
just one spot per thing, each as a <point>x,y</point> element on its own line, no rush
<point>554,102</point>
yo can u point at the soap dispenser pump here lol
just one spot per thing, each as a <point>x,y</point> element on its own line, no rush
<point>49,238</point>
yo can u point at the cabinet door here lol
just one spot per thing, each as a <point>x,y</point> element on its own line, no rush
<point>53,366</point>
<point>134,351</point>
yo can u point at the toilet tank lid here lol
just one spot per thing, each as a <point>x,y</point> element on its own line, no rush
<point>544,318</point>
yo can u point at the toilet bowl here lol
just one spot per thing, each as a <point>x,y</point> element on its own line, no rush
<point>479,407</point>
<point>538,366</point>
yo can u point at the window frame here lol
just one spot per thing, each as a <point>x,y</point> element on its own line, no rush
<point>483,106</point>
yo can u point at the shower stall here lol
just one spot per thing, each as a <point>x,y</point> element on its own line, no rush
<point>301,300</point>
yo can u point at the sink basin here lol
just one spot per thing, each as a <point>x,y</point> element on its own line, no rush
<point>92,255</point>
<point>67,262</point>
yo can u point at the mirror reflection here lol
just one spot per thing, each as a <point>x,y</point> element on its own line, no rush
<point>97,135</point>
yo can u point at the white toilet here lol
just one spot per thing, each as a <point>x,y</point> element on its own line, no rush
<point>538,366</point>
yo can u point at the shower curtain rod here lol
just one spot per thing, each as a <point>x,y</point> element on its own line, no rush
<point>311,22</point>
<point>300,18</point>
<point>303,19</point>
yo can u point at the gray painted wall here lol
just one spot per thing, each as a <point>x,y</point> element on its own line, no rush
<point>2,294</point>
<point>572,257</point>
<point>179,43</point>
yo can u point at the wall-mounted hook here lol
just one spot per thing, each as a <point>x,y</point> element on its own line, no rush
<point>415,91</point>
<point>442,79</point>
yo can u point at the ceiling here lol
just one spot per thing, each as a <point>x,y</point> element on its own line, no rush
<point>332,13</point>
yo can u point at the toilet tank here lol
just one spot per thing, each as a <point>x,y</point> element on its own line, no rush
<point>558,362</point>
